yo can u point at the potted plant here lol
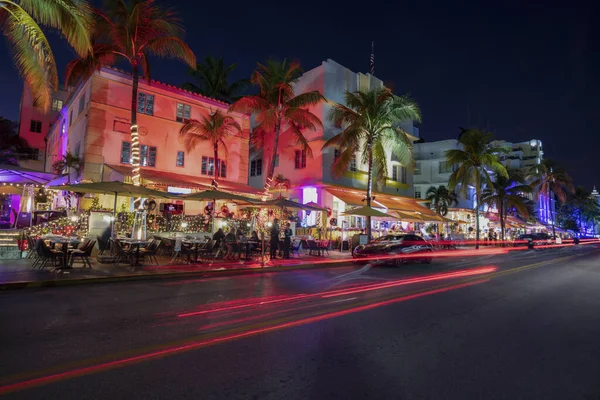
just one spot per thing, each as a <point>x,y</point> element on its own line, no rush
<point>22,241</point>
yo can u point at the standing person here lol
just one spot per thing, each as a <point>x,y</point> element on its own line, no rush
<point>287,240</point>
<point>274,238</point>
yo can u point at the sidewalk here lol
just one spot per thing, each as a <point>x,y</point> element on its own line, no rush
<point>18,274</point>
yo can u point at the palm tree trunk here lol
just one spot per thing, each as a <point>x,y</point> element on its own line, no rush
<point>271,172</point>
<point>217,164</point>
<point>477,194</point>
<point>135,144</point>
<point>369,186</point>
<point>502,220</point>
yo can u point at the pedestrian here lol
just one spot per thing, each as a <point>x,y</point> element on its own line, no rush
<point>287,240</point>
<point>274,238</point>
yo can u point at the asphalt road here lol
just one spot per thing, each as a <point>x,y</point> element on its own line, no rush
<point>525,325</point>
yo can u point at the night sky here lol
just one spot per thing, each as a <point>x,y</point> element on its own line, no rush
<point>519,69</point>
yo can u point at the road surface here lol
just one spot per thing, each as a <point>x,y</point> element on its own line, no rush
<point>525,325</point>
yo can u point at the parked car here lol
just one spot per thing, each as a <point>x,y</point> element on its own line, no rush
<point>395,244</point>
<point>537,238</point>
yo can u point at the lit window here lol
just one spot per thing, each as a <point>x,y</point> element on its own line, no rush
<point>208,166</point>
<point>126,153</point>
<point>36,126</point>
<point>180,158</point>
<point>300,159</point>
<point>183,112</point>
<point>145,103</point>
<point>222,165</point>
<point>418,168</point>
<point>57,105</point>
<point>147,156</point>
<point>256,167</point>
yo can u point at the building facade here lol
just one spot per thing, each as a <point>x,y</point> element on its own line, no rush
<point>94,124</point>
<point>311,178</point>
<point>432,170</point>
<point>35,124</point>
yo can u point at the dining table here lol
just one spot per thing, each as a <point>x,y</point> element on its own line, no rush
<point>195,245</point>
<point>137,244</point>
<point>64,241</point>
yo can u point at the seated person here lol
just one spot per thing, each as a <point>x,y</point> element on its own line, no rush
<point>232,247</point>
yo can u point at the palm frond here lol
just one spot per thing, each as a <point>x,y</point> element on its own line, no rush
<point>171,47</point>
<point>31,52</point>
<point>304,119</point>
<point>72,17</point>
<point>306,99</point>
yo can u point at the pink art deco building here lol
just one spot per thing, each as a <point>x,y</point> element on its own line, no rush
<point>94,124</point>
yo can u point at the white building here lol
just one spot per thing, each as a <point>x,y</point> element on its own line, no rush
<point>311,178</point>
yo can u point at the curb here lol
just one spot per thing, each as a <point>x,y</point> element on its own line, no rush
<point>166,275</point>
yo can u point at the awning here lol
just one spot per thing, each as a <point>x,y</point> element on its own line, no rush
<point>14,174</point>
<point>163,178</point>
<point>354,197</point>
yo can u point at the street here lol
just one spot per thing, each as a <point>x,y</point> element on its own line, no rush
<point>524,325</point>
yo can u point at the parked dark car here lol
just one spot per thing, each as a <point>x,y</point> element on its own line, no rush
<point>537,238</point>
<point>393,244</point>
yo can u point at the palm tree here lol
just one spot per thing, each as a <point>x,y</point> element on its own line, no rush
<point>213,129</point>
<point>441,199</point>
<point>66,164</point>
<point>506,193</point>
<point>279,110</point>
<point>476,158</point>
<point>282,183</point>
<point>131,30</point>
<point>547,177</point>
<point>371,125</point>
<point>31,51</point>
<point>212,80</point>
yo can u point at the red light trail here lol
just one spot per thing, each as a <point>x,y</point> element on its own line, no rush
<point>208,342</point>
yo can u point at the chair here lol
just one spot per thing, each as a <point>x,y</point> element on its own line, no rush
<point>103,244</point>
<point>295,247</point>
<point>84,252</point>
<point>151,250</point>
<point>206,251</point>
<point>324,248</point>
<point>49,255</point>
<point>120,253</point>
<point>167,246</point>
<point>304,245</point>
<point>313,247</point>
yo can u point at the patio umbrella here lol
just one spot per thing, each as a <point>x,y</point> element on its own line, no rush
<point>117,189</point>
<point>368,212</point>
<point>286,203</point>
<point>315,205</point>
<point>407,216</point>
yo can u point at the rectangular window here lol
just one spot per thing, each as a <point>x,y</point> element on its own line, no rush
<point>222,165</point>
<point>353,167</point>
<point>145,103</point>
<point>180,158</point>
<point>183,112</point>
<point>36,126</point>
<point>336,154</point>
<point>256,167</point>
<point>395,172</point>
<point>418,168</point>
<point>300,159</point>
<point>71,117</point>
<point>417,194</point>
<point>147,156</point>
<point>444,168</point>
<point>81,103</point>
<point>208,166</point>
<point>126,153</point>
<point>398,173</point>
<point>57,105</point>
